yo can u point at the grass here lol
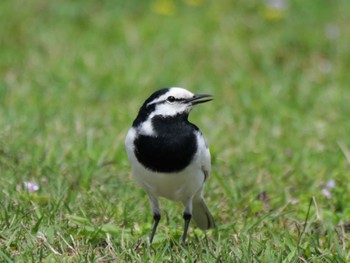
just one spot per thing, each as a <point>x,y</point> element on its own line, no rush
<point>73,76</point>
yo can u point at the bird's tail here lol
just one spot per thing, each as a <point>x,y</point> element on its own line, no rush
<point>201,214</point>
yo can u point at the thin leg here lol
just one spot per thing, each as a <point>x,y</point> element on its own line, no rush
<point>156,221</point>
<point>153,201</point>
<point>187,218</point>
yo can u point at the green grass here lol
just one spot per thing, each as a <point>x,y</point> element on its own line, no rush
<point>73,74</point>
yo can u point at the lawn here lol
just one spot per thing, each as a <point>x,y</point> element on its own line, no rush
<point>73,75</point>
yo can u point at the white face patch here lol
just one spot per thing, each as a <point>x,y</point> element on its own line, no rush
<point>175,92</point>
<point>167,108</point>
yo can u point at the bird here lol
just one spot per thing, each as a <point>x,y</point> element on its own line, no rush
<point>169,156</point>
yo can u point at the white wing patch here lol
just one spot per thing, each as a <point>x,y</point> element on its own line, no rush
<point>203,155</point>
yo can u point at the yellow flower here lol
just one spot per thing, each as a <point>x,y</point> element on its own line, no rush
<point>194,2</point>
<point>271,14</point>
<point>164,7</point>
<point>275,10</point>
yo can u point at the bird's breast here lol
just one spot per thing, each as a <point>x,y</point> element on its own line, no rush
<point>168,153</point>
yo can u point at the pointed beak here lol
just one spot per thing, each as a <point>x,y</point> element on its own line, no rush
<point>200,98</point>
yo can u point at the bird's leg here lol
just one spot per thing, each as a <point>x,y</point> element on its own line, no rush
<point>187,217</point>
<point>153,200</point>
<point>156,221</point>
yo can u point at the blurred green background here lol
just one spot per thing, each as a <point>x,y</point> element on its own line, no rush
<point>73,75</point>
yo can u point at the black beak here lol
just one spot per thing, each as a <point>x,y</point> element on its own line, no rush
<point>200,98</point>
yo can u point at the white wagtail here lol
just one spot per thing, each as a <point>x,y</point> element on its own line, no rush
<point>169,156</point>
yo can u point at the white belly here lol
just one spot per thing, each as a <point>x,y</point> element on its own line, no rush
<point>174,186</point>
<point>178,186</point>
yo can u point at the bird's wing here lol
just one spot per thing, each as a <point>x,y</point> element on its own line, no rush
<point>204,155</point>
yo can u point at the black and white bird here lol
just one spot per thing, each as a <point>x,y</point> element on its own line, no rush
<point>169,156</point>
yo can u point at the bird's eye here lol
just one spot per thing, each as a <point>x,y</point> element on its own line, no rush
<point>171,99</point>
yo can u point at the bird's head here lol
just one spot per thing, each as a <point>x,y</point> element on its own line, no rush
<point>173,101</point>
<point>169,102</point>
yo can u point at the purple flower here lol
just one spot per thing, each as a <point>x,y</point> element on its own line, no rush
<point>31,187</point>
<point>332,31</point>
<point>326,193</point>
<point>327,189</point>
<point>277,4</point>
<point>330,184</point>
